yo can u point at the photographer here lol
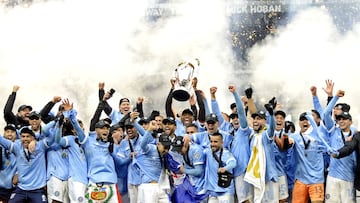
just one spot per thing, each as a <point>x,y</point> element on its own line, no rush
<point>219,161</point>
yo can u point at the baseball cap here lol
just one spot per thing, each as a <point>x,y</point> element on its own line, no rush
<point>169,120</point>
<point>124,100</point>
<point>114,127</point>
<point>34,115</point>
<point>343,106</point>
<point>164,139</point>
<point>101,124</point>
<point>23,107</point>
<point>211,118</point>
<point>187,111</point>
<point>26,129</point>
<point>128,123</point>
<point>344,115</point>
<point>280,112</point>
<point>260,113</point>
<point>177,143</point>
<point>10,126</point>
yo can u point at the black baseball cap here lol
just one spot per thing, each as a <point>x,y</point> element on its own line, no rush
<point>128,123</point>
<point>124,100</point>
<point>344,115</point>
<point>101,124</point>
<point>10,126</point>
<point>27,129</point>
<point>343,106</point>
<point>211,118</point>
<point>115,127</point>
<point>178,143</point>
<point>169,120</point>
<point>23,107</point>
<point>260,113</point>
<point>164,139</point>
<point>34,115</point>
<point>280,112</point>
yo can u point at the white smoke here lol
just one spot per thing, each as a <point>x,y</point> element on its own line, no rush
<point>309,50</point>
<point>66,47</point>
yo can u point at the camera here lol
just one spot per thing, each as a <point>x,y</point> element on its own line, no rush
<point>111,92</point>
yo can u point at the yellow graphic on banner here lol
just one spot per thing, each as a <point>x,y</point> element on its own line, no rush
<point>254,163</point>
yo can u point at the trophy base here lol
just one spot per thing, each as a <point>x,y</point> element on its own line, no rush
<point>181,94</point>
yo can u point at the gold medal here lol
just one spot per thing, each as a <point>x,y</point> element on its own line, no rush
<point>63,154</point>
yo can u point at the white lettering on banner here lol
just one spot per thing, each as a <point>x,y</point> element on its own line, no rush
<point>161,11</point>
<point>229,9</point>
<point>265,8</point>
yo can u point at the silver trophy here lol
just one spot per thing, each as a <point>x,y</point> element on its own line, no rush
<point>184,75</point>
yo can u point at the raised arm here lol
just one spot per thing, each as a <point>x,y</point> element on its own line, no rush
<point>329,89</point>
<point>215,106</point>
<point>168,103</point>
<point>70,113</point>
<point>240,107</point>
<point>148,138</point>
<point>271,123</point>
<point>316,102</point>
<point>328,120</point>
<point>139,106</point>
<point>9,116</point>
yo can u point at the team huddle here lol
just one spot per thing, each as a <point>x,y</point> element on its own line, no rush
<point>200,154</point>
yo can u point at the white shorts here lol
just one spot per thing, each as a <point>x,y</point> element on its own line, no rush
<point>77,191</point>
<point>271,194</point>
<point>99,193</point>
<point>283,188</point>
<point>133,191</point>
<point>244,190</point>
<point>339,190</point>
<point>151,192</point>
<point>57,189</point>
<point>225,198</point>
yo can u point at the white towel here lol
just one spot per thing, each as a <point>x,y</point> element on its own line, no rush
<point>255,172</point>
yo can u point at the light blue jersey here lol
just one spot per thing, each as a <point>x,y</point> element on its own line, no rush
<point>240,145</point>
<point>134,173</point>
<point>77,160</point>
<point>149,160</point>
<point>101,167</point>
<point>122,161</point>
<point>309,160</point>
<point>280,156</point>
<point>271,174</point>
<point>31,168</point>
<point>8,169</point>
<point>57,162</point>
<point>211,172</point>
<point>344,168</point>
<point>115,116</point>
<point>196,158</point>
